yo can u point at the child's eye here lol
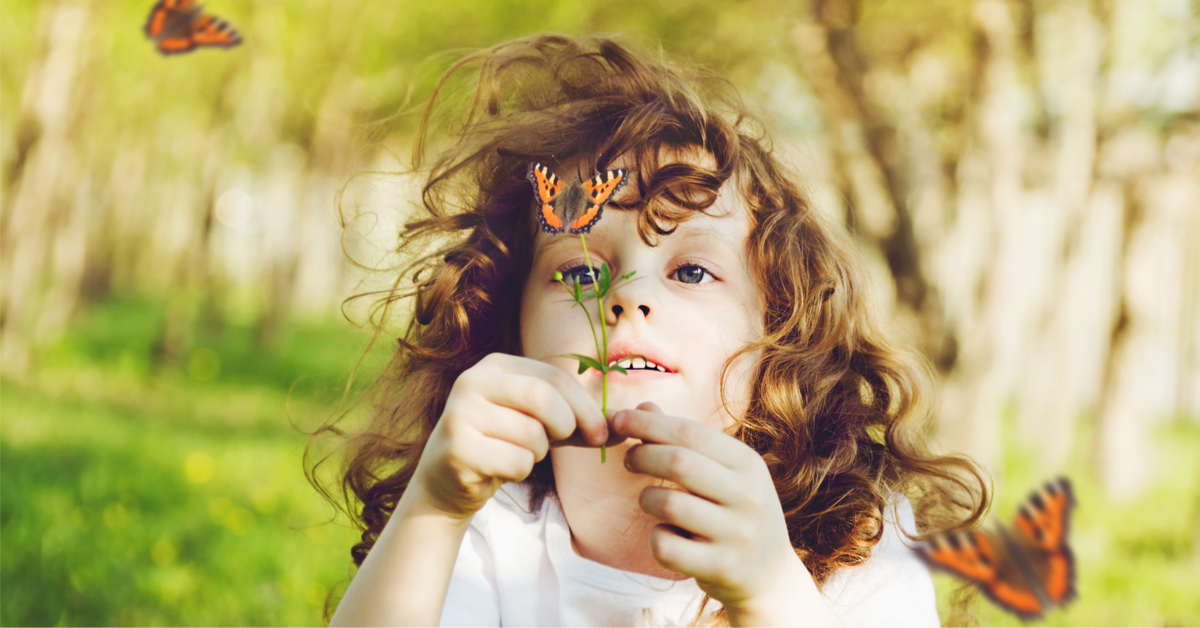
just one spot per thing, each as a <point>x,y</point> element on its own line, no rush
<point>698,275</point>
<point>690,272</point>
<point>579,272</point>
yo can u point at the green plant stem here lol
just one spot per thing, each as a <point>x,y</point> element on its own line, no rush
<point>603,334</point>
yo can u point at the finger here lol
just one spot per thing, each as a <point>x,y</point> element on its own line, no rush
<point>531,395</point>
<point>697,558</point>
<point>500,459</point>
<point>518,428</point>
<point>656,427</point>
<point>582,411</point>
<point>577,439</point>
<point>684,510</point>
<point>687,468</point>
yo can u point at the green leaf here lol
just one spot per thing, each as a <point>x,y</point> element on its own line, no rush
<point>605,278</point>
<point>584,361</point>
<point>628,274</point>
<point>578,296</point>
<point>619,368</point>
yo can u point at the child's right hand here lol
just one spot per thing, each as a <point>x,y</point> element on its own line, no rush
<point>500,418</point>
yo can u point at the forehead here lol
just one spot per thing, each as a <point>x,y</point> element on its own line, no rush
<point>725,224</point>
<point>726,231</point>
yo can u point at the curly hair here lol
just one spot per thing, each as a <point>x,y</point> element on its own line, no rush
<point>839,414</point>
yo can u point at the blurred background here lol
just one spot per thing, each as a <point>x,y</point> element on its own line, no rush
<point>1022,176</point>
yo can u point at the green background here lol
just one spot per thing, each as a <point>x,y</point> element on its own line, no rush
<point>151,449</point>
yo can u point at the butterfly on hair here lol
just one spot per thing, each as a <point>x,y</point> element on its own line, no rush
<point>1026,569</point>
<point>178,26</point>
<point>574,207</point>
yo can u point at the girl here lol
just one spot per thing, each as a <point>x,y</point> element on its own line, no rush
<point>757,478</point>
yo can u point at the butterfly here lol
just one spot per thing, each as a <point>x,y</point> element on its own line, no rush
<point>1027,568</point>
<point>574,207</point>
<point>179,26</point>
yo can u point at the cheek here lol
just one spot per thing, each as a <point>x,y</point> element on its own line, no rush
<point>529,320</point>
<point>739,380</point>
<point>547,326</point>
<point>536,330</point>
<point>735,329</point>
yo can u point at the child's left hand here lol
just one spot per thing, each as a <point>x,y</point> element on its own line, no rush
<point>728,530</point>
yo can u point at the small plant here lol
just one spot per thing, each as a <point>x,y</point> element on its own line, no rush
<point>600,287</point>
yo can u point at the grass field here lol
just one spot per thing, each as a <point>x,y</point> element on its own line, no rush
<point>136,494</point>
<point>145,493</point>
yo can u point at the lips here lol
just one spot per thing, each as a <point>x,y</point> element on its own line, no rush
<point>632,377</point>
<point>620,349</point>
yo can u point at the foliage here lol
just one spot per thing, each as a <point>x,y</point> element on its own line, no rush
<point>150,470</point>
<point>136,494</point>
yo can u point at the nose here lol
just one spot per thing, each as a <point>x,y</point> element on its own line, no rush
<point>617,309</point>
<point>632,297</point>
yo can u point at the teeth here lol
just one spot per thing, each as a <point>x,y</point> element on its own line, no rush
<point>637,363</point>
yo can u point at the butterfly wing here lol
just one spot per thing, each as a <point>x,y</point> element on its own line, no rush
<point>175,44</point>
<point>179,26</point>
<point>983,559</point>
<point>546,187</point>
<point>210,31</point>
<point>599,190</point>
<point>163,15</point>
<point>1040,531</point>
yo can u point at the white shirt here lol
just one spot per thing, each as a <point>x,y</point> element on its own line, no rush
<point>517,568</point>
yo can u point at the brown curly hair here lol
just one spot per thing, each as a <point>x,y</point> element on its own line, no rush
<point>839,414</point>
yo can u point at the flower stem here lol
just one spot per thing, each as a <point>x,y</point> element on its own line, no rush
<point>604,334</point>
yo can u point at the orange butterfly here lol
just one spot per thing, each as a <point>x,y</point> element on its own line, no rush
<point>1026,569</point>
<point>575,207</point>
<point>179,26</point>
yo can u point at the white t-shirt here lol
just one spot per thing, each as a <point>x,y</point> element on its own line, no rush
<point>517,568</point>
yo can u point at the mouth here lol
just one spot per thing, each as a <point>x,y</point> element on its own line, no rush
<point>637,370</point>
<point>638,364</point>
<point>642,359</point>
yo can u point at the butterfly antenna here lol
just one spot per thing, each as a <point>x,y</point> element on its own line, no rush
<point>564,168</point>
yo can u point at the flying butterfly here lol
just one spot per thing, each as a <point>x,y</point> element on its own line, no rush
<point>573,207</point>
<point>1026,569</point>
<point>178,26</point>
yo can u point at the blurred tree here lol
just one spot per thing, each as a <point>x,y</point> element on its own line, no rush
<point>964,141</point>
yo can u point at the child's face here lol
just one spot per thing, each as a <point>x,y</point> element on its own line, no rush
<point>694,318</point>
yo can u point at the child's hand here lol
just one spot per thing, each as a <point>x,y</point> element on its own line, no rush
<point>727,530</point>
<point>500,418</point>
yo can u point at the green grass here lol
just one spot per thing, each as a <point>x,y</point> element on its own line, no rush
<point>136,494</point>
